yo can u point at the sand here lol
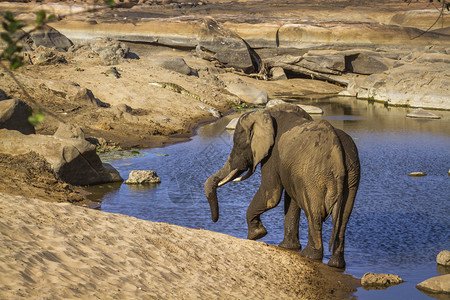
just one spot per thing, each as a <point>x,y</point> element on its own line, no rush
<point>59,250</point>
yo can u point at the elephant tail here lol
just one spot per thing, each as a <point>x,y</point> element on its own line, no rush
<point>337,198</point>
<point>337,215</point>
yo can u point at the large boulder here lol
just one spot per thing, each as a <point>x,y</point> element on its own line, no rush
<point>367,63</point>
<point>425,85</point>
<point>14,115</point>
<point>438,284</point>
<point>49,37</point>
<point>247,93</point>
<point>74,160</point>
<point>216,42</point>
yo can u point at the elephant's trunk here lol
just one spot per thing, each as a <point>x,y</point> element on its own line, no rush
<point>212,183</point>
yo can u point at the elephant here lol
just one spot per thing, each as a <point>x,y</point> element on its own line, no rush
<point>351,184</point>
<point>303,157</point>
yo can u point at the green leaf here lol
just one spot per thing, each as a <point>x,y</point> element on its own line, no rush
<point>9,16</point>
<point>16,62</point>
<point>40,17</point>
<point>5,26</point>
<point>36,118</point>
<point>51,17</point>
<point>6,38</point>
<point>110,3</point>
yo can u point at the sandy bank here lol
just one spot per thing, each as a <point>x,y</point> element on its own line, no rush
<point>64,251</point>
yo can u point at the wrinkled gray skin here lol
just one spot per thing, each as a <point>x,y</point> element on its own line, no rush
<point>351,183</point>
<point>301,156</point>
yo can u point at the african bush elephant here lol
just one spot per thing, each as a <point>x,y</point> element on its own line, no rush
<point>351,183</point>
<point>301,156</point>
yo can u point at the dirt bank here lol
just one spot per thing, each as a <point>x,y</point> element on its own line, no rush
<point>65,251</point>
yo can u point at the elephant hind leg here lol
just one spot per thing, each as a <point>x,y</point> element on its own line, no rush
<point>314,248</point>
<point>291,224</point>
<point>337,258</point>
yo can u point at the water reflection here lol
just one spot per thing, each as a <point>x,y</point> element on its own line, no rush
<point>399,223</point>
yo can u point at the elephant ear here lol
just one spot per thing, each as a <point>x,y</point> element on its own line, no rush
<point>261,135</point>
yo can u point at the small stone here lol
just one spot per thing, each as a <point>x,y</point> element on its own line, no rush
<point>372,280</point>
<point>143,177</point>
<point>421,113</point>
<point>232,124</point>
<point>307,108</point>
<point>311,109</point>
<point>417,174</point>
<point>438,284</point>
<point>278,73</point>
<point>443,258</point>
<point>69,131</point>
<point>274,102</point>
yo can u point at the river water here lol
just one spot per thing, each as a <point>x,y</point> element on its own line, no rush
<point>398,225</point>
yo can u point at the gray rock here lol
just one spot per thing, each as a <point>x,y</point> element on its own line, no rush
<point>232,124</point>
<point>74,160</point>
<point>110,51</point>
<point>379,281</point>
<point>439,284</point>
<point>112,174</point>
<point>274,102</point>
<point>310,109</point>
<point>367,64</point>
<point>86,97</point>
<point>249,94</point>
<point>123,108</point>
<point>68,131</point>
<point>216,42</point>
<point>176,64</point>
<point>443,258</point>
<point>423,114</point>
<point>277,73</point>
<point>335,62</point>
<point>142,177</point>
<point>14,115</point>
<point>49,37</point>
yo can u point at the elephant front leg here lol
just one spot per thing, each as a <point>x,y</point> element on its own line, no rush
<point>291,224</point>
<point>268,196</point>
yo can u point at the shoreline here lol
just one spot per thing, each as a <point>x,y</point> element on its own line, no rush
<point>58,250</point>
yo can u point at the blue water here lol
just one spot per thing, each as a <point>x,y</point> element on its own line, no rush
<point>399,223</point>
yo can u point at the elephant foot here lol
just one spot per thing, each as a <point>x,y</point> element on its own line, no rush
<point>312,253</point>
<point>337,261</point>
<point>290,245</point>
<point>256,233</point>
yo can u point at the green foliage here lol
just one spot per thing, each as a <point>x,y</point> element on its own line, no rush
<point>110,3</point>
<point>36,118</point>
<point>12,50</point>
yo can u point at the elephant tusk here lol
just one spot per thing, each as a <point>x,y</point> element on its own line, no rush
<point>238,179</point>
<point>228,178</point>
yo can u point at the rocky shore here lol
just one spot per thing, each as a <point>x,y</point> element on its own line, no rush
<point>147,74</point>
